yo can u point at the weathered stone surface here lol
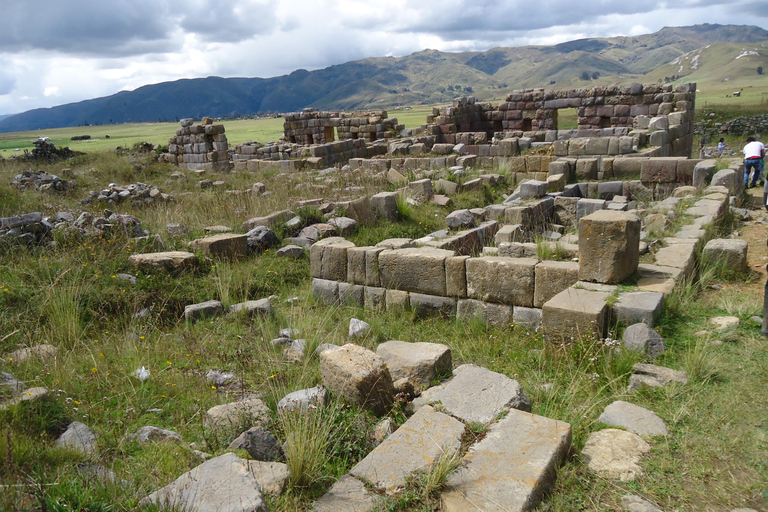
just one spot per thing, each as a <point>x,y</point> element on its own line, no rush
<point>222,484</point>
<point>235,414</point>
<point>615,454</point>
<point>304,398</point>
<point>79,437</point>
<point>396,299</point>
<point>271,220</point>
<point>503,280</point>
<point>533,189</point>
<point>480,395</point>
<point>150,434</point>
<point>12,383</point>
<point>359,376</point>
<point>168,261</point>
<point>511,468</point>
<point>223,245</point>
<point>637,504</point>
<point>261,238</point>
<point>528,318</point>
<point>384,205</point>
<point>638,307</point>
<point>682,256</point>
<point>655,376</point>
<point>272,476</point>
<point>608,246</point>
<point>261,307</point>
<point>552,277</point>
<point>328,259</point>
<point>510,233</point>
<point>260,445</point>
<point>420,363</point>
<point>419,270</point>
<point>203,310</point>
<point>327,291</point>
<point>456,276</point>
<point>460,219</point>
<point>432,305</point>
<point>360,211</point>
<point>585,207</point>
<point>729,179</point>
<point>641,338</point>
<point>574,313</point>
<point>703,172</point>
<point>290,251</point>
<point>634,418</point>
<point>375,298</point>
<point>723,323</point>
<point>344,225</point>
<point>501,315</point>
<point>358,328</point>
<point>426,435</point>
<point>658,170</point>
<point>421,190</point>
<point>731,253</point>
<point>28,395</point>
<point>43,352</point>
<point>348,494</point>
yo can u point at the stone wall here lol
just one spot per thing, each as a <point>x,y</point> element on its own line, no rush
<point>315,156</point>
<point>315,127</point>
<point>199,147</point>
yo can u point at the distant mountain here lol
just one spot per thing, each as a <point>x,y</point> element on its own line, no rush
<point>425,77</point>
<point>3,116</point>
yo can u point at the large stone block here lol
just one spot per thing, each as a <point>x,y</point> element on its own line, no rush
<point>325,290</point>
<point>359,376</point>
<point>419,363</point>
<point>421,190</point>
<point>456,276</point>
<point>575,313</point>
<point>432,305</point>
<point>609,245</point>
<point>224,246</point>
<point>503,280</point>
<point>552,277</point>
<point>416,445</point>
<point>512,468</point>
<point>659,170</point>
<point>328,258</point>
<point>362,211</point>
<point>419,270</point>
<point>636,307</point>
<point>348,494</point>
<point>384,205</point>
<point>681,256</point>
<point>731,253</point>
<point>171,261</point>
<point>703,172</point>
<point>586,168</point>
<point>356,266</point>
<point>586,207</point>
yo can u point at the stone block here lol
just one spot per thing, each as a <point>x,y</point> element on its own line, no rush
<point>681,256</point>
<point>419,270</point>
<point>252,308</point>
<point>521,215</point>
<point>503,280</point>
<point>456,276</point>
<point>172,261</point>
<point>421,190</point>
<point>703,172</point>
<point>510,233</point>
<point>432,305</point>
<point>560,167</point>
<point>608,189</point>
<point>636,307</point>
<point>224,246</point>
<point>328,258</point>
<point>361,210</point>
<point>513,465</point>
<point>627,167</point>
<point>348,494</point>
<point>395,299</point>
<point>731,253</point>
<point>575,313</point>
<point>375,298</point>
<point>533,189</point>
<point>552,277</point>
<point>203,310</point>
<point>585,207</point>
<point>500,315</point>
<point>615,454</point>
<point>608,246</point>
<point>351,295</point>
<point>359,376</point>
<point>384,206</point>
<point>419,363</point>
<point>528,318</point>
<point>325,290</point>
<point>659,170</point>
<point>372,274</point>
<point>586,169</point>
<point>356,267</point>
<point>565,210</point>
<point>636,419</point>
<point>426,434</point>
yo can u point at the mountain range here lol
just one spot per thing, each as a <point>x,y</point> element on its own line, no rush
<point>425,77</point>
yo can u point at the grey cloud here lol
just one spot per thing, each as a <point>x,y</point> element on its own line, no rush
<point>227,20</point>
<point>83,26</point>
<point>7,84</point>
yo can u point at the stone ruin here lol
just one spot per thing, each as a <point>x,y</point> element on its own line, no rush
<point>199,147</point>
<point>312,127</point>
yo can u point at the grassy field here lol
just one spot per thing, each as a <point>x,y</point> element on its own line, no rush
<point>68,295</point>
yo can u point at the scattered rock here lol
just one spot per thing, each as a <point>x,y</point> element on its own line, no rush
<point>348,494</point>
<point>234,414</point>
<point>272,476</point>
<point>251,308</point>
<point>219,378</point>
<point>418,363</point>
<point>654,376</point>
<point>303,399</point>
<point>290,251</point>
<point>358,328</point>
<point>203,310</point>
<point>634,418</point>
<point>260,445</point>
<point>42,352</point>
<point>261,238</point>
<point>722,323</point>
<point>149,434</point>
<point>641,338</point>
<point>78,437</point>
<point>9,381</point>
<point>615,454</point>
<point>637,504</point>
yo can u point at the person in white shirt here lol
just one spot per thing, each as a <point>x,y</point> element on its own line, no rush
<point>754,152</point>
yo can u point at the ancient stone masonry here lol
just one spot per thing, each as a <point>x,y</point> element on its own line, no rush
<point>287,157</point>
<point>313,127</point>
<point>199,147</point>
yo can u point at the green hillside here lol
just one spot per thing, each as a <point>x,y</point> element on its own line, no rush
<point>704,53</point>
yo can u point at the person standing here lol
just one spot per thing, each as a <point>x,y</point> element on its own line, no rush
<point>721,146</point>
<point>754,152</point>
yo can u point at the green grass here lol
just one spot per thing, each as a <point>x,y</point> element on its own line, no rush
<point>66,295</point>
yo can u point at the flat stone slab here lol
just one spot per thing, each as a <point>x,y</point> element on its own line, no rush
<point>419,363</point>
<point>167,261</point>
<point>223,245</point>
<point>235,413</point>
<point>615,454</point>
<point>575,312</point>
<point>511,468</point>
<point>272,476</point>
<point>637,307</point>
<point>680,256</point>
<point>633,503</point>
<point>261,307</point>
<point>480,395</point>
<point>416,445</point>
<point>722,323</point>
<point>43,351</point>
<point>28,395</point>
<point>222,484</point>
<point>634,418</point>
<point>655,376</point>
<point>348,494</point>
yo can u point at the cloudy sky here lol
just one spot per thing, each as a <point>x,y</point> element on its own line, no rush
<point>60,51</point>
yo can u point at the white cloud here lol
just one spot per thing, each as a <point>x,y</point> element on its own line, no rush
<point>51,91</point>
